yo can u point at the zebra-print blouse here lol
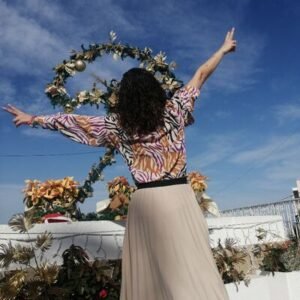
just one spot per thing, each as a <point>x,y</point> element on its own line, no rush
<point>155,156</point>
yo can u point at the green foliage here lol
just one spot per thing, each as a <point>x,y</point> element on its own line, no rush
<point>84,279</point>
<point>95,174</point>
<point>273,255</point>
<point>27,280</point>
<point>228,258</point>
<point>19,223</point>
<point>272,261</point>
<point>44,241</point>
<point>291,258</point>
<point>107,214</point>
<point>6,255</point>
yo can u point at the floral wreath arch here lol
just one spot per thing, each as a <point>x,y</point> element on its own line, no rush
<point>157,65</point>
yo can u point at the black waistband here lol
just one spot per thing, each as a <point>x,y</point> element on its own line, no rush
<point>180,180</point>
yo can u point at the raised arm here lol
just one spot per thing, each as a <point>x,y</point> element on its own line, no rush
<point>206,69</point>
<point>90,130</point>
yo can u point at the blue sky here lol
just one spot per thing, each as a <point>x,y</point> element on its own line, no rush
<point>246,138</point>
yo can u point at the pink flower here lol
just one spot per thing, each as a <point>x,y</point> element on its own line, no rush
<point>103,293</point>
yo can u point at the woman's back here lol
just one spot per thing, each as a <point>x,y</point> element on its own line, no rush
<point>160,154</point>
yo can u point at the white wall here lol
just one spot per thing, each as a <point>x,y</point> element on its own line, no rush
<point>104,239</point>
<point>283,286</point>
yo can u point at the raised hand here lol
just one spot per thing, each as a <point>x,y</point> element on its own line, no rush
<point>20,116</point>
<point>229,44</point>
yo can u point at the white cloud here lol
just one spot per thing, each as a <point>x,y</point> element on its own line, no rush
<point>262,174</point>
<point>26,45</point>
<point>215,149</point>
<point>198,32</point>
<point>37,35</point>
<point>7,91</point>
<point>273,167</point>
<point>286,113</point>
<point>43,10</point>
<point>193,36</point>
<point>275,149</point>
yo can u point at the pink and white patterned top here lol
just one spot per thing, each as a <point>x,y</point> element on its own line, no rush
<point>155,156</point>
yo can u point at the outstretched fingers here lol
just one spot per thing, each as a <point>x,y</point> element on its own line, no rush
<point>232,32</point>
<point>229,35</point>
<point>11,109</point>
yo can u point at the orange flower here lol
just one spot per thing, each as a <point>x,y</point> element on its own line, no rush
<point>119,185</point>
<point>30,185</point>
<point>197,181</point>
<point>118,201</point>
<point>69,183</point>
<point>34,196</point>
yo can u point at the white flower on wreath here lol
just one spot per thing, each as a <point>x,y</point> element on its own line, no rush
<point>172,84</point>
<point>82,96</point>
<point>112,36</point>
<point>115,56</point>
<point>150,68</point>
<point>96,94</point>
<point>160,58</point>
<point>172,65</point>
<point>70,68</point>
<point>62,90</point>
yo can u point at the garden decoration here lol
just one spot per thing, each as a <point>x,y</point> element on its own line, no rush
<point>59,197</point>
<point>199,185</point>
<point>51,196</point>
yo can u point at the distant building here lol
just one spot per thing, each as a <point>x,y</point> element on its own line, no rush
<point>296,190</point>
<point>101,205</point>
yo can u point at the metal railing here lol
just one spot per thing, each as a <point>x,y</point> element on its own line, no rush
<point>289,210</point>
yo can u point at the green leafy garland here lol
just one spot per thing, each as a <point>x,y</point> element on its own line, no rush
<point>58,94</point>
<point>95,174</point>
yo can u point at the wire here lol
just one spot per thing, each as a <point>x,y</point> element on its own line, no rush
<point>49,154</point>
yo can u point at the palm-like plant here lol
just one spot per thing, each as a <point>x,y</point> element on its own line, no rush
<point>29,279</point>
<point>228,259</point>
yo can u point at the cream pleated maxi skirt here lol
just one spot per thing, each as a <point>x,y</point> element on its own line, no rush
<point>166,252</point>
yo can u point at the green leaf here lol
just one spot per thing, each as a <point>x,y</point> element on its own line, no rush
<point>18,222</point>
<point>23,254</point>
<point>44,241</point>
<point>6,255</point>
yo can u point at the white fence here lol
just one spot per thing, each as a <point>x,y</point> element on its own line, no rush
<point>288,209</point>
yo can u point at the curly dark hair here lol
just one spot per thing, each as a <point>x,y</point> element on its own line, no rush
<point>141,102</point>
